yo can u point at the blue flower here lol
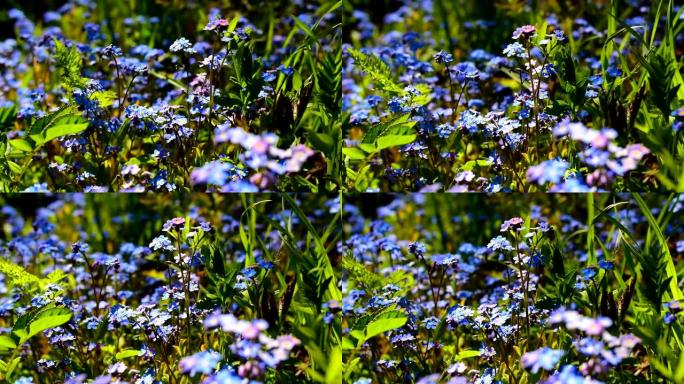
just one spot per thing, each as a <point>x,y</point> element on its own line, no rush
<point>162,243</point>
<point>204,362</point>
<point>544,358</point>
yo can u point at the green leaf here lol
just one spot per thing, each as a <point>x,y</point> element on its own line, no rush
<point>354,153</point>
<point>67,115</point>
<point>50,318</point>
<point>399,126</point>
<point>69,62</point>
<point>7,117</point>
<point>378,71</point>
<point>386,322</point>
<point>466,354</point>
<point>323,142</point>
<point>21,145</point>
<point>104,98</point>
<point>7,342</point>
<point>304,28</point>
<point>126,353</point>
<point>394,141</point>
<point>333,374</point>
<point>14,167</point>
<point>64,130</point>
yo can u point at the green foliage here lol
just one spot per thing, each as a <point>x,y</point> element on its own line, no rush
<point>17,276</point>
<point>329,82</point>
<point>69,62</point>
<point>7,117</point>
<point>661,70</point>
<point>373,325</point>
<point>63,122</point>
<point>26,327</point>
<point>399,126</point>
<point>654,279</point>
<point>376,69</point>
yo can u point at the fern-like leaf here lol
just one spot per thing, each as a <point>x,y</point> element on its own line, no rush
<point>329,84</point>
<point>376,69</point>
<point>69,62</point>
<point>17,276</point>
<point>661,71</point>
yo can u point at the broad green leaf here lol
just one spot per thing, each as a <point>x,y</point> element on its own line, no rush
<point>64,130</point>
<point>466,354</point>
<point>333,374</point>
<point>14,167</point>
<point>393,141</point>
<point>21,145</point>
<point>45,122</point>
<point>347,343</point>
<point>368,148</point>
<point>126,353</point>
<point>354,153</point>
<point>7,342</point>
<point>50,318</point>
<point>386,322</point>
<point>399,126</point>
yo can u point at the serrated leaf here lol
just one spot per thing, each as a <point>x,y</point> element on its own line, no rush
<point>69,62</point>
<point>104,98</point>
<point>376,69</point>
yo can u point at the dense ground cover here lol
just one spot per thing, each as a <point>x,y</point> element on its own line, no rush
<point>514,95</point>
<point>160,289</point>
<point>202,95</point>
<point>490,289</point>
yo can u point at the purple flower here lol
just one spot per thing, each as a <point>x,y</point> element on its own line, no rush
<point>176,223</point>
<point>524,32</point>
<point>512,224</point>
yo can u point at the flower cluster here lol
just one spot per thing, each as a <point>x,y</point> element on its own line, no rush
<point>488,289</point>
<point>221,108</point>
<point>449,103</point>
<point>93,293</point>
